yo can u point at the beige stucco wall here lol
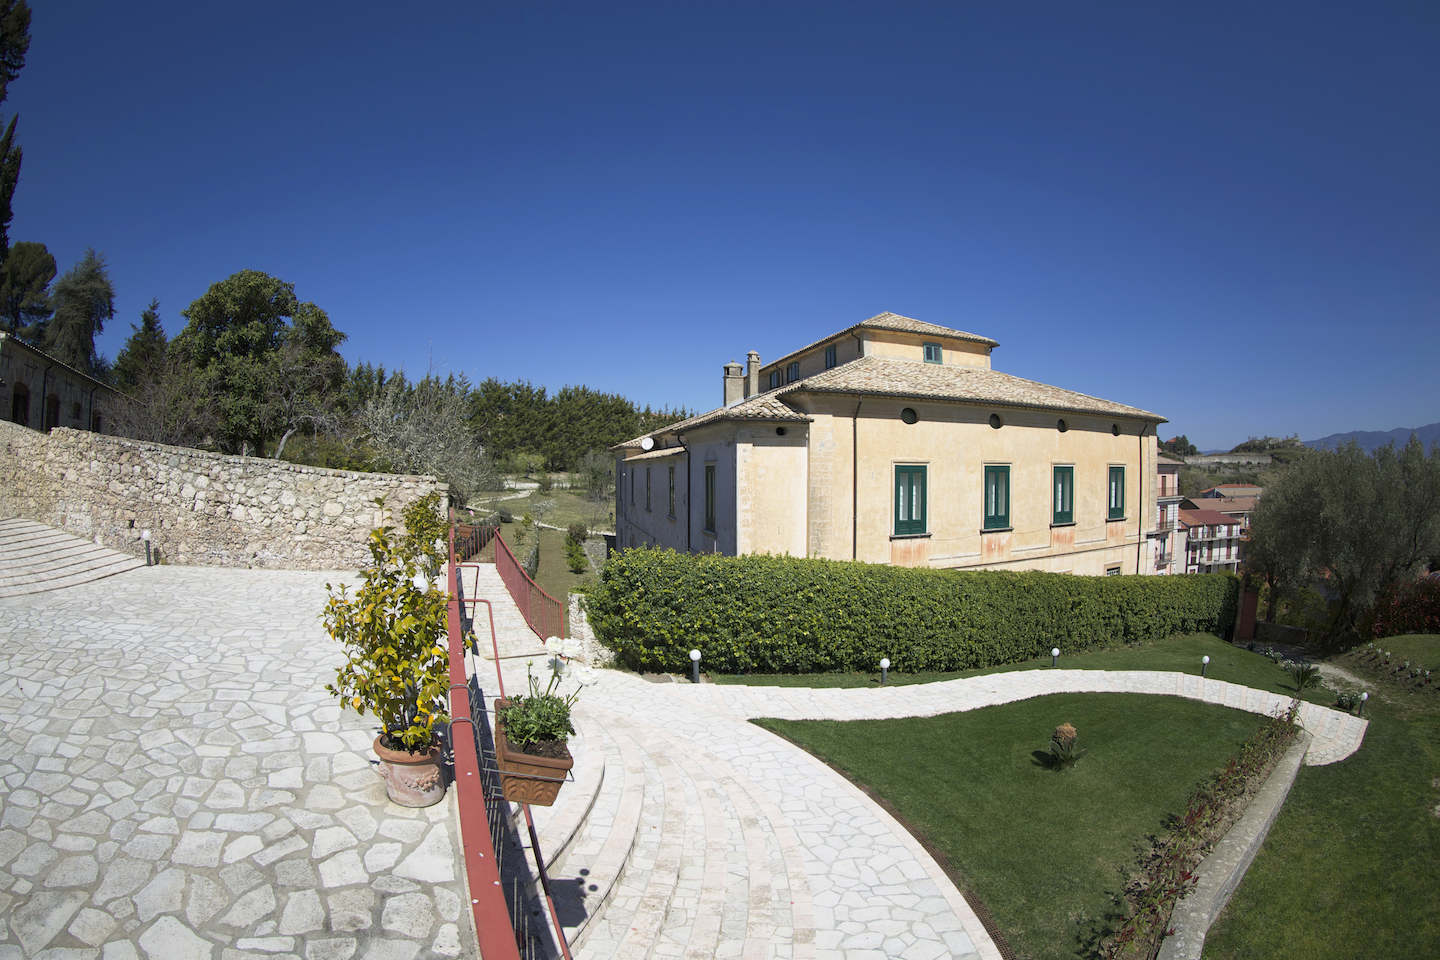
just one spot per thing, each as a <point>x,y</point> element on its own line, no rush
<point>772,490</point>
<point>79,398</point>
<point>655,527</point>
<point>201,508</point>
<point>955,442</point>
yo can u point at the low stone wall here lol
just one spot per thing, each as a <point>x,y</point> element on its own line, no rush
<point>201,508</point>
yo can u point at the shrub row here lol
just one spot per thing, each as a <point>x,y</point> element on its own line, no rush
<point>1407,608</point>
<point>772,614</point>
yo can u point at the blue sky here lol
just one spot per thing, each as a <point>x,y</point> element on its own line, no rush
<point>1228,214</point>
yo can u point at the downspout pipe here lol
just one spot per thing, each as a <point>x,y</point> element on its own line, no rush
<point>855,481</point>
<point>45,397</point>
<point>1140,523</point>
<point>689,520</point>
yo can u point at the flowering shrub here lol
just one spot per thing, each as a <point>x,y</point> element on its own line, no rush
<point>1169,873</point>
<point>1407,608</point>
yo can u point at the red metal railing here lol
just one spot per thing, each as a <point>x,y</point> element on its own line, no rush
<point>543,612</point>
<point>493,925</point>
<point>471,539</point>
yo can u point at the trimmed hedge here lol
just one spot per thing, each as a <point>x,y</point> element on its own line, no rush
<point>771,614</point>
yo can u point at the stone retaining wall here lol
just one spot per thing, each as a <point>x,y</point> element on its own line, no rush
<point>201,508</point>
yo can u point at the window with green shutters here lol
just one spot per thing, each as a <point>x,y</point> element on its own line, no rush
<point>710,497</point>
<point>647,489</point>
<point>1064,495</point>
<point>997,497</point>
<point>829,357</point>
<point>1117,493</point>
<point>672,491</point>
<point>934,353</point>
<point>909,500</point>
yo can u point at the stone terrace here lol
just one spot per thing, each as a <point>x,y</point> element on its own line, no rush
<point>178,785</point>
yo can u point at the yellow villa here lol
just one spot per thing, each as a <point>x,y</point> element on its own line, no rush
<point>893,441</point>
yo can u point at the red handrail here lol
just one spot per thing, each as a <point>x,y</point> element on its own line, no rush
<point>493,928</point>
<point>543,612</point>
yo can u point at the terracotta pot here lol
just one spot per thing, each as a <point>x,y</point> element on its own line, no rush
<point>411,779</point>
<point>527,779</point>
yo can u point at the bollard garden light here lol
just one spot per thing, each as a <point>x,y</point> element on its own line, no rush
<point>1363,698</point>
<point>1054,656</point>
<point>694,666</point>
<point>145,535</point>
<point>884,669</point>
<point>1204,665</point>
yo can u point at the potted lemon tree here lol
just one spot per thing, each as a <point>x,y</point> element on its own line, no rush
<point>396,666</point>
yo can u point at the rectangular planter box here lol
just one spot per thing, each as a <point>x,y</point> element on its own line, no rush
<point>527,779</point>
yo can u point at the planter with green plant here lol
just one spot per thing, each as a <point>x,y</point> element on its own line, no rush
<point>530,735</point>
<point>396,666</point>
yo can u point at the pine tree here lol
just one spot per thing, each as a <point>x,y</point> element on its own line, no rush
<point>142,359</point>
<point>25,290</point>
<point>14,43</point>
<point>84,299</point>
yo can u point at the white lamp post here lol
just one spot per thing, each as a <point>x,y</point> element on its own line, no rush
<point>1054,656</point>
<point>694,666</point>
<point>1204,665</point>
<point>884,669</point>
<point>145,535</point>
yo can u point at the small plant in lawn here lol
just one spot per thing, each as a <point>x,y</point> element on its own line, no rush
<point>575,547</point>
<point>392,629</point>
<point>540,716</point>
<point>1304,674</point>
<point>1063,752</point>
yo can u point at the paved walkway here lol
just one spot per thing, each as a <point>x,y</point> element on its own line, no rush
<point>178,785</point>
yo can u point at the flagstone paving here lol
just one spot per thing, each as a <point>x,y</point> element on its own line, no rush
<point>177,784</point>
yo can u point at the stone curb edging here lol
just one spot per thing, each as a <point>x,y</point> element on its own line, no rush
<point>1220,873</point>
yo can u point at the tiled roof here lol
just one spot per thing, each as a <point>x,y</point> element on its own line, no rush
<point>1171,458</point>
<point>762,406</point>
<point>883,376</point>
<point>933,381</point>
<point>1197,518</point>
<point>892,321</point>
<point>656,454</point>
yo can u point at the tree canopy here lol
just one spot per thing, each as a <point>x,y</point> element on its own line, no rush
<point>14,44</point>
<point>25,290</point>
<point>1350,522</point>
<point>84,298</point>
<point>269,360</point>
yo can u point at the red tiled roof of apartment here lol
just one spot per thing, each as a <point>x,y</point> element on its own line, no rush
<point>1204,518</point>
<point>1233,489</point>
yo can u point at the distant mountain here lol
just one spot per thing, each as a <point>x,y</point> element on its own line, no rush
<point>1372,440</point>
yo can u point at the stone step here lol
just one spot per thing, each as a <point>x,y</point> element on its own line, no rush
<point>36,558</point>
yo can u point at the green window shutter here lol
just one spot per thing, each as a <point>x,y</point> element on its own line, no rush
<point>710,497</point>
<point>997,497</point>
<point>829,357</point>
<point>1117,494</point>
<point>647,489</point>
<point>934,353</point>
<point>1064,495</point>
<point>910,497</point>
<point>672,490</point>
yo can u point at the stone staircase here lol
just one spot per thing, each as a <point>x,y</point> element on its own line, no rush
<point>35,558</point>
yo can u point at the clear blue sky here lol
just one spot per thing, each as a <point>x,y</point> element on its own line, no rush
<point>1228,214</point>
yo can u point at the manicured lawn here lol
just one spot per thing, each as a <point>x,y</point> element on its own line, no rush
<point>1227,662</point>
<point>1044,850</point>
<point>1352,865</point>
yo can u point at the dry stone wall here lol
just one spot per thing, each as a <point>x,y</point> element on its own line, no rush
<point>201,508</point>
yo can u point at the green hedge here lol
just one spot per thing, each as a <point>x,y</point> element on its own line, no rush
<point>771,614</point>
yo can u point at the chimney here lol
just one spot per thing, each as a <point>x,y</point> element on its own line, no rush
<point>752,373</point>
<point>734,383</point>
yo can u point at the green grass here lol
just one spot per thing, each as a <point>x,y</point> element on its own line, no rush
<point>570,506</point>
<point>1044,850</point>
<point>1181,654</point>
<point>553,575</point>
<point>1352,865</point>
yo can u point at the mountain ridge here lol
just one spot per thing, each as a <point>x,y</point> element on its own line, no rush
<point>1371,440</point>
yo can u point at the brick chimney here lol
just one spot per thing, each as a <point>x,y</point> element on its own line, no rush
<point>734,383</point>
<point>752,373</point>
